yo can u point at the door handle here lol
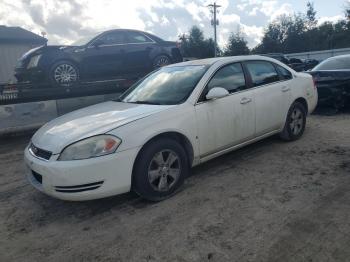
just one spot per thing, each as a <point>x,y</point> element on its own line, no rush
<point>285,88</point>
<point>245,100</point>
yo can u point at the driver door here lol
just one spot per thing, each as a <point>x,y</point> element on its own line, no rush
<point>227,121</point>
<point>105,57</point>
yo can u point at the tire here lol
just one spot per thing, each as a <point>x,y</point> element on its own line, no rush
<point>160,61</point>
<point>295,122</point>
<point>64,74</point>
<point>152,178</point>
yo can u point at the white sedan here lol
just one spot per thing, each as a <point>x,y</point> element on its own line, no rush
<point>175,118</point>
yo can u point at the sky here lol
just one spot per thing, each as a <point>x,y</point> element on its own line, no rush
<point>65,21</point>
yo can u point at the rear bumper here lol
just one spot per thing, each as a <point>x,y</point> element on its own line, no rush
<point>332,96</point>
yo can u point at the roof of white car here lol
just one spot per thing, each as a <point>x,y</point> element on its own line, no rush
<point>211,61</point>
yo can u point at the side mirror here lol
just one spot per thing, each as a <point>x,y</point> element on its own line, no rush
<point>216,92</point>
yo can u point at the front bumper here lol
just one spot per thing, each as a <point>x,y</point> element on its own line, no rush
<point>32,74</point>
<point>82,179</point>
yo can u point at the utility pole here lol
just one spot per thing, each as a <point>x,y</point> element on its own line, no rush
<point>214,22</point>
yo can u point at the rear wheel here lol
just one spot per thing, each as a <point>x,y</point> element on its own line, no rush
<point>161,61</point>
<point>64,73</point>
<point>295,122</point>
<point>160,169</point>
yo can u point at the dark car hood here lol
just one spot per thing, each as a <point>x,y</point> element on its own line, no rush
<point>44,48</point>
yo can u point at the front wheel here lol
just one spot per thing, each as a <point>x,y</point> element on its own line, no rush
<point>160,169</point>
<point>295,122</point>
<point>64,74</point>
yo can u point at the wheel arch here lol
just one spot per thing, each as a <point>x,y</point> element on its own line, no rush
<point>163,53</point>
<point>303,101</point>
<point>65,59</point>
<point>175,135</point>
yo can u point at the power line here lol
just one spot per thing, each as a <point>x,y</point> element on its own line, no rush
<point>214,22</point>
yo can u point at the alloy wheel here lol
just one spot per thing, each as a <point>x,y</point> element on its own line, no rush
<point>65,74</point>
<point>161,61</point>
<point>164,170</point>
<point>296,121</point>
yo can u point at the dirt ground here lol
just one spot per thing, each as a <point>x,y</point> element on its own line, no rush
<point>271,201</point>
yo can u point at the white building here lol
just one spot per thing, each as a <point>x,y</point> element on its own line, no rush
<point>14,42</point>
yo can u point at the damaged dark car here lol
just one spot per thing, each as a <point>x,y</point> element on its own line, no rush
<point>332,78</point>
<point>113,54</point>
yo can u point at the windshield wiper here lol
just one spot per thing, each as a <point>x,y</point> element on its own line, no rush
<point>144,102</point>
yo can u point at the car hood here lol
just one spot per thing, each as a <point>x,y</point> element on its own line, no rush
<point>44,48</point>
<point>90,121</point>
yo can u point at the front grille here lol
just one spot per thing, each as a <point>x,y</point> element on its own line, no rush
<point>78,188</point>
<point>40,153</point>
<point>37,177</point>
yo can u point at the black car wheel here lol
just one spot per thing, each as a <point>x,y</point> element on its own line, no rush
<point>161,61</point>
<point>64,73</point>
<point>295,122</point>
<point>160,169</point>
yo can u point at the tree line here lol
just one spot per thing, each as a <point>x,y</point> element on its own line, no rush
<point>299,32</point>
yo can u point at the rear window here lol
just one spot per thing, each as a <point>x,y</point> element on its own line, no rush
<point>334,63</point>
<point>262,72</point>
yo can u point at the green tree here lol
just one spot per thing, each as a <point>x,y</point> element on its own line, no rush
<point>347,12</point>
<point>301,32</point>
<point>283,35</point>
<point>311,15</point>
<point>195,45</point>
<point>236,45</point>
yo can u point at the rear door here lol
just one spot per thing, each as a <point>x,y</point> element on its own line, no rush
<point>138,52</point>
<point>227,121</point>
<point>272,96</point>
<point>105,60</point>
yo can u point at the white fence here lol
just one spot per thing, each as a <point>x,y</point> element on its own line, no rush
<point>320,55</point>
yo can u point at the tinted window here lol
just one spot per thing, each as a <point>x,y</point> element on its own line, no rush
<point>230,77</point>
<point>134,37</point>
<point>262,72</point>
<point>334,63</point>
<point>284,73</point>
<point>112,38</point>
<point>166,86</point>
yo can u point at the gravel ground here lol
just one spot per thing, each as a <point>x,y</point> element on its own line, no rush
<point>271,201</point>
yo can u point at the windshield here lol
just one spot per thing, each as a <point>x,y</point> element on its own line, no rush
<point>84,40</point>
<point>166,86</point>
<point>334,63</point>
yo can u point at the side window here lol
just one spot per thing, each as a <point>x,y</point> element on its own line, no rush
<point>135,37</point>
<point>284,73</point>
<point>230,77</point>
<point>262,72</point>
<point>113,38</point>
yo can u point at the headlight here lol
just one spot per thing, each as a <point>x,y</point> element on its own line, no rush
<point>90,147</point>
<point>34,61</point>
